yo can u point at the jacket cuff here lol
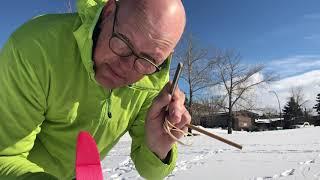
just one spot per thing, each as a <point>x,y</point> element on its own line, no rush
<point>153,168</point>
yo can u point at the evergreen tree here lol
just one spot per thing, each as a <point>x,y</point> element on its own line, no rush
<point>317,106</point>
<point>291,111</point>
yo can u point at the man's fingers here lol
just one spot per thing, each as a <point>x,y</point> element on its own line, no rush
<point>185,119</point>
<point>179,96</point>
<point>175,112</point>
<point>162,100</point>
<point>176,106</point>
<point>179,134</point>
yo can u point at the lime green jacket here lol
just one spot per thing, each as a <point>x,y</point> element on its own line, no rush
<point>48,94</point>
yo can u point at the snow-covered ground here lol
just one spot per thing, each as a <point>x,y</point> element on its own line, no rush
<point>284,154</point>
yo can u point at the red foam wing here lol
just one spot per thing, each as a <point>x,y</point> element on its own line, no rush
<point>88,165</point>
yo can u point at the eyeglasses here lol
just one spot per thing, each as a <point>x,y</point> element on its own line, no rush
<point>122,47</point>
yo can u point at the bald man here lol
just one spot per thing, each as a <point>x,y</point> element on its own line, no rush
<point>104,70</point>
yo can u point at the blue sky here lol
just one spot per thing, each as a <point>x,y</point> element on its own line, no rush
<point>262,31</point>
<point>259,30</point>
<point>284,35</point>
<point>13,13</point>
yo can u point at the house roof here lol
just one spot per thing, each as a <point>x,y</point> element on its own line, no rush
<point>268,120</point>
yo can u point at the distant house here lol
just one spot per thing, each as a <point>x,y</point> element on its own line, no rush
<point>243,120</point>
<point>268,123</point>
<point>218,119</point>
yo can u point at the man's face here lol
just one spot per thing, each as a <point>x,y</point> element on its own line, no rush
<point>112,70</point>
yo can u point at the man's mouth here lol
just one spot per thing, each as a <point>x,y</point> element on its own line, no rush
<point>114,72</point>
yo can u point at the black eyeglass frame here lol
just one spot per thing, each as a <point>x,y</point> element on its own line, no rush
<point>126,40</point>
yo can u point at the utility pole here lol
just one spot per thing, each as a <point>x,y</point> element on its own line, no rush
<point>274,92</point>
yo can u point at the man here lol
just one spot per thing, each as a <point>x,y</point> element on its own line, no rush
<point>103,70</point>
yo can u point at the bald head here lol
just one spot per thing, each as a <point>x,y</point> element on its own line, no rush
<point>160,16</point>
<point>149,29</point>
<point>158,20</point>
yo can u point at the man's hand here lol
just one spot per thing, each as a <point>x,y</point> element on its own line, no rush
<point>157,139</point>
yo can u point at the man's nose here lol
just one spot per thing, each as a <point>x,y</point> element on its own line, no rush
<point>127,63</point>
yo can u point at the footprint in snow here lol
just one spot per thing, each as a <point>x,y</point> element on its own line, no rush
<point>263,178</point>
<point>287,173</point>
<point>317,175</point>
<point>307,162</point>
<point>113,176</point>
<point>126,166</point>
<point>106,170</point>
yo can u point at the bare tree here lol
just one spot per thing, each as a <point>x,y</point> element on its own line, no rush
<point>297,94</point>
<point>237,80</point>
<point>68,5</point>
<point>197,71</point>
<point>208,105</point>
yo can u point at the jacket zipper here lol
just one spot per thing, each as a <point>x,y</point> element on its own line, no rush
<point>109,101</point>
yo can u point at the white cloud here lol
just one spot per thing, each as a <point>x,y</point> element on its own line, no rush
<point>294,65</point>
<point>296,71</point>
<point>250,94</point>
<point>301,71</point>
<point>312,37</point>
<point>312,16</point>
<point>264,98</point>
<point>220,89</point>
<point>309,82</point>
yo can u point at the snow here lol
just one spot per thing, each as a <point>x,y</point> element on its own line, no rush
<point>283,154</point>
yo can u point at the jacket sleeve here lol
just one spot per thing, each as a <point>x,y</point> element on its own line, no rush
<point>147,163</point>
<point>22,107</point>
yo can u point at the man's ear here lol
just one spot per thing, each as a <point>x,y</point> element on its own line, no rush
<point>108,9</point>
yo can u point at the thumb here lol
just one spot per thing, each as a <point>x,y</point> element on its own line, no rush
<point>162,100</point>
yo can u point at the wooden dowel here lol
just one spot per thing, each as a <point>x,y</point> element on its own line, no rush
<point>214,136</point>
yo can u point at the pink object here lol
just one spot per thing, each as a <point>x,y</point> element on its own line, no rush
<point>88,165</point>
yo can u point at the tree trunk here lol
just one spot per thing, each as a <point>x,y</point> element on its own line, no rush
<point>230,115</point>
<point>190,110</point>
<point>230,123</point>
